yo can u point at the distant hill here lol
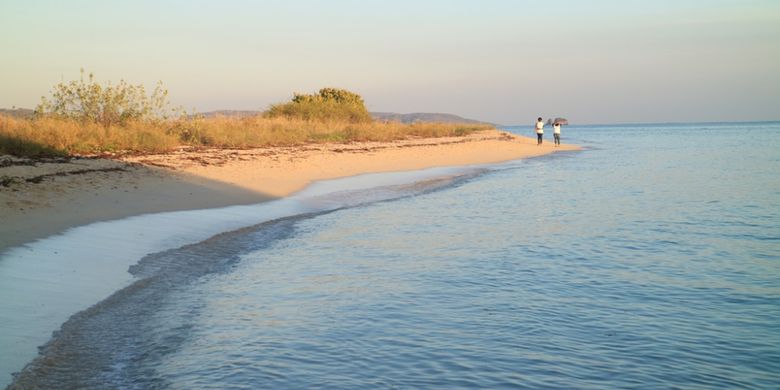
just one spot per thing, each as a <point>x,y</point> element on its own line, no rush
<point>231,113</point>
<point>379,116</point>
<point>17,112</point>
<point>423,117</point>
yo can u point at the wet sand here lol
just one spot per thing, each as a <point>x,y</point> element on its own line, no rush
<point>39,198</point>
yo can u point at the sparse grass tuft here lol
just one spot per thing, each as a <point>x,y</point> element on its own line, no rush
<point>50,137</point>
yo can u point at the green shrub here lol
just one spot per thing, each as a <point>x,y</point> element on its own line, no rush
<point>329,104</point>
<point>90,102</point>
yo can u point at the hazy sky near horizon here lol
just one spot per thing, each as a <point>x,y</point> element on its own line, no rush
<point>502,61</point>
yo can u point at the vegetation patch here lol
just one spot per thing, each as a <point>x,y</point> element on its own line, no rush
<point>329,104</point>
<point>7,181</point>
<point>84,117</point>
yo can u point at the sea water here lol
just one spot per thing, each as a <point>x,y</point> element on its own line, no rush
<point>651,259</point>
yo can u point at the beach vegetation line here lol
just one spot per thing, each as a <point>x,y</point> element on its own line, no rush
<point>85,117</point>
<point>62,136</point>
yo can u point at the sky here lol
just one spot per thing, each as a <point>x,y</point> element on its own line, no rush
<point>507,62</point>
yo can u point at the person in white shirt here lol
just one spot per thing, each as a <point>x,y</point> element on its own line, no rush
<point>557,133</point>
<point>539,131</point>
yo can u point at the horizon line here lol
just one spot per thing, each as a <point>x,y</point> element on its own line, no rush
<point>696,122</point>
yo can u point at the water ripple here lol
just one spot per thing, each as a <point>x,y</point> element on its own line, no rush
<point>551,274</point>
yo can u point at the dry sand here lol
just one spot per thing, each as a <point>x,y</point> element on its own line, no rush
<point>41,198</point>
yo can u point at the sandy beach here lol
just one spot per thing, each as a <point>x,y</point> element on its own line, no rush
<point>40,198</point>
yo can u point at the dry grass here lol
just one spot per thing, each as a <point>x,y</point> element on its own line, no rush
<point>50,136</point>
<point>53,136</point>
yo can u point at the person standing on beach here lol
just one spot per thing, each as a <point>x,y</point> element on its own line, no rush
<point>557,133</point>
<point>539,131</point>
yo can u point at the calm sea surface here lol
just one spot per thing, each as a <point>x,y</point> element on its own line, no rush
<point>649,260</point>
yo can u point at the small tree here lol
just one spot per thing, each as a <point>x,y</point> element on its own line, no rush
<point>89,101</point>
<point>327,104</point>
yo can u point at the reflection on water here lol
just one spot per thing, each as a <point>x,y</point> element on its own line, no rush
<point>648,260</point>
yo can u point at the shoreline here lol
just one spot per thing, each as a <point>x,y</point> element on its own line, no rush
<point>44,198</point>
<point>74,261</point>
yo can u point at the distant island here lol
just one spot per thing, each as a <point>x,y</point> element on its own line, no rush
<point>423,117</point>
